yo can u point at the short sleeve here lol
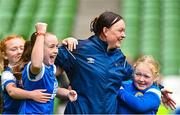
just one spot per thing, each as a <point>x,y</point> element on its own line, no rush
<point>6,78</point>
<point>37,77</point>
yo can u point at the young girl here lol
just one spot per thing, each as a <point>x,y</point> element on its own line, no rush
<point>40,72</point>
<point>12,48</point>
<point>141,95</point>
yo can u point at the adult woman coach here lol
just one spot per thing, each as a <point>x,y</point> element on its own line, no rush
<point>96,67</point>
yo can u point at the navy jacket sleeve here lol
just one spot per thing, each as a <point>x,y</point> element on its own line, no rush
<point>142,103</point>
<point>64,58</point>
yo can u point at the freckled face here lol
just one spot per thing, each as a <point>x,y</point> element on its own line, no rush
<point>14,50</point>
<point>143,77</point>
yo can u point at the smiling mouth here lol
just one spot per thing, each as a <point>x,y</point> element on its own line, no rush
<point>53,57</point>
<point>141,85</point>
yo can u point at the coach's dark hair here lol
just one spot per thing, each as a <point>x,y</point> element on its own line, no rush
<point>106,19</point>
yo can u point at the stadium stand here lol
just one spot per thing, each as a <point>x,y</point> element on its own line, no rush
<point>170,37</point>
<point>152,27</point>
<point>8,9</point>
<point>131,12</point>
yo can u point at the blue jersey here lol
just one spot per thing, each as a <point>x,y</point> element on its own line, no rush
<point>134,101</point>
<point>95,74</point>
<point>10,105</point>
<point>44,80</point>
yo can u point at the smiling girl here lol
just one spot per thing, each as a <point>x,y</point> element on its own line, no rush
<point>141,95</point>
<point>12,48</point>
<point>40,72</point>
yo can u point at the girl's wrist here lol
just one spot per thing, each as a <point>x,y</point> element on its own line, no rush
<point>40,34</point>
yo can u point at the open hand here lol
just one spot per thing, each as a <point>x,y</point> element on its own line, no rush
<point>39,95</point>
<point>70,42</point>
<point>167,101</point>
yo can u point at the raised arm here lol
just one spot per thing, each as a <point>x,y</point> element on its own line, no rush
<point>38,49</point>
